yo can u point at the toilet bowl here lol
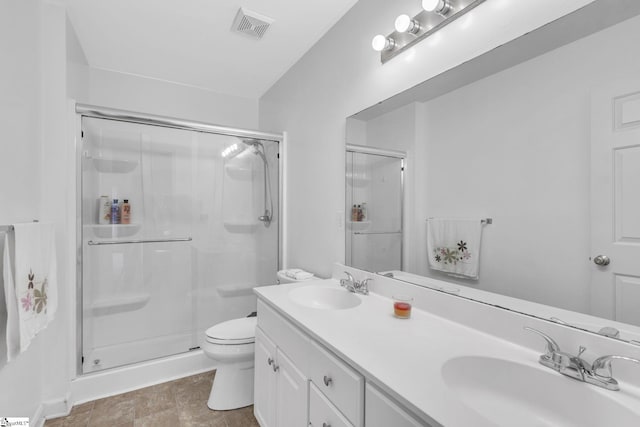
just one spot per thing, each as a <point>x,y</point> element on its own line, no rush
<point>231,344</point>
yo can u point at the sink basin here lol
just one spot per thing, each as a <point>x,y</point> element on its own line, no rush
<point>508,394</point>
<point>324,298</point>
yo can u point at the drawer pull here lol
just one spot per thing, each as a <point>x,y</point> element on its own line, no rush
<point>270,361</point>
<point>327,381</point>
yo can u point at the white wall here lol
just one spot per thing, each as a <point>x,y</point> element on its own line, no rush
<point>138,93</point>
<point>21,381</point>
<point>340,76</point>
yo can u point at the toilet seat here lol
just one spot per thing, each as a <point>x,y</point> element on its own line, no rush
<point>233,332</point>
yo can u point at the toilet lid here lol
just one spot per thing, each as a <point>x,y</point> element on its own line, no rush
<point>236,331</point>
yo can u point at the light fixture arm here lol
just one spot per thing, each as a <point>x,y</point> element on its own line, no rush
<point>436,14</point>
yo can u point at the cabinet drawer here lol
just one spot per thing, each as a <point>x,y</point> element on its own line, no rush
<point>289,339</point>
<point>339,382</point>
<point>322,413</point>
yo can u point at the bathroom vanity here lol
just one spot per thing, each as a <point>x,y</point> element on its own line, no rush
<point>328,357</point>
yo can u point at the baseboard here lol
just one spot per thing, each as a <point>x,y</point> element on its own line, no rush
<point>38,417</point>
<point>57,408</point>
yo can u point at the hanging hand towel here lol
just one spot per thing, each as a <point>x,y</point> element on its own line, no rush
<point>30,285</point>
<point>453,246</point>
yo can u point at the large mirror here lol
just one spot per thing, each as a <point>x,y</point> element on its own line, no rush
<point>541,135</point>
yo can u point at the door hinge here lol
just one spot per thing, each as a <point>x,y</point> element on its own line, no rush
<point>81,134</point>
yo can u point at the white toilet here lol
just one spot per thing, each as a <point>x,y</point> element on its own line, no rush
<point>231,344</point>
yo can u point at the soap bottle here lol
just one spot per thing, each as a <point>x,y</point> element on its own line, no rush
<point>364,211</point>
<point>354,213</point>
<point>115,212</point>
<point>359,213</point>
<point>104,210</point>
<point>125,214</point>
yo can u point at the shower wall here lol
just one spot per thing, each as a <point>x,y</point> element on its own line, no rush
<point>194,248</point>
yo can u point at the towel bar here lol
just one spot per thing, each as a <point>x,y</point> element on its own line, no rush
<point>483,220</point>
<point>124,242</point>
<point>7,228</point>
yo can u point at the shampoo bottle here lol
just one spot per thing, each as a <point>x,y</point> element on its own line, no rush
<point>115,212</point>
<point>125,214</point>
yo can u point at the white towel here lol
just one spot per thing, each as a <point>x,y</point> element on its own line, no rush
<point>453,246</point>
<point>30,283</point>
<point>298,274</point>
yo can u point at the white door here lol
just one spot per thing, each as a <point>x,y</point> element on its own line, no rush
<point>615,203</point>
<point>292,395</point>
<point>264,392</point>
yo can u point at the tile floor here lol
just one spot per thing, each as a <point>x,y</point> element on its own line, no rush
<point>182,402</point>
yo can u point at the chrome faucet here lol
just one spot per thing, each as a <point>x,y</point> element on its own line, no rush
<point>354,286</point>
<point>598,373</point>
<point>349,283</point>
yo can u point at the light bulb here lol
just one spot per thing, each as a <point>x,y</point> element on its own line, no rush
<point>430,5</point>
<point>441,7</point>
<point>405,24</point>
<point>380,43</point>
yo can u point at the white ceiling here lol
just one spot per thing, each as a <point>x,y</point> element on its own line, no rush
<point>190,41</point>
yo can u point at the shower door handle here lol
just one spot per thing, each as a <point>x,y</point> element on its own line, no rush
<point>127,242</point>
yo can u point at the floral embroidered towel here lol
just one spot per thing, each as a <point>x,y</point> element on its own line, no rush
<point>453,246</point>
<point>30,285</point>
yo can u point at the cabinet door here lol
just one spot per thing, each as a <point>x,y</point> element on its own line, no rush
<point>264,407</point>
<point>292,395</point>
<point>380,411</point>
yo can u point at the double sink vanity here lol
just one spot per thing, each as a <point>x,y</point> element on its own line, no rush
<point>328,357</point>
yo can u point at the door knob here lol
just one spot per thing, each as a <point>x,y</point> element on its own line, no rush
<point>602,260</point>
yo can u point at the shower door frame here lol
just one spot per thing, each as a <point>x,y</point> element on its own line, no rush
<point>374,151</point>
<point>93,111</point>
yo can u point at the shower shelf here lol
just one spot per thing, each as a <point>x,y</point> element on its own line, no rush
<point>106,231</point>
<point>358,225</point>
<point>120,304</point>
<point>113,165</point>
<point>237,172</point>
<point>358,180</point>
<point>240,226</point>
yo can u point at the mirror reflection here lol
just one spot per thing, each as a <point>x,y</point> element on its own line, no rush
<point>547,148</point>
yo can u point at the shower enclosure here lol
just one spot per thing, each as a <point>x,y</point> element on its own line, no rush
<point>374,207</point>
<point>202,232</point>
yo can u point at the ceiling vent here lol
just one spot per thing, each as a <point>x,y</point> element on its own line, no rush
<point>251,23</point>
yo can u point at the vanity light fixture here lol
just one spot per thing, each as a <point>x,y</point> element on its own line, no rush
<point>381,43</point>
<point>406,24</point>
<point>441,7</point>
<point>435,14</point>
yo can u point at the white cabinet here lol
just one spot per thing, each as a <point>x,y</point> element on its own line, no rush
<point>280,391</point>
<point>299,383</point>
<point>383,412</point>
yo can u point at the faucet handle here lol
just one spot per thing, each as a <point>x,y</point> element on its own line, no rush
<point>552,346</point>
<point>348,281</point>
<point>363,286</point>
<point>604,362</point>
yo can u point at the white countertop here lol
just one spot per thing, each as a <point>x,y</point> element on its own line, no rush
<point>402,356</point>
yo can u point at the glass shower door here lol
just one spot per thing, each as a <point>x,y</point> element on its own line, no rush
<point>374,211</point>
<point>193,247</point>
